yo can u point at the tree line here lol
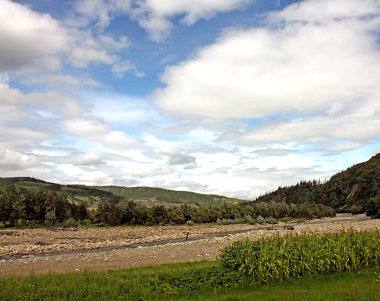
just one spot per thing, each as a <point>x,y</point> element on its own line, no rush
<point>362,197</point>
<point>356,190</point>
<point>22,207</point>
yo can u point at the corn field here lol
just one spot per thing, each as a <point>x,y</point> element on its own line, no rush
<point>274,258</point>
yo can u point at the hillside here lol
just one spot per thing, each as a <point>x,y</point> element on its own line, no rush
<point>82,192</point>
<point>348,190</point>
<point>166,195</point>
<point>92,194</point>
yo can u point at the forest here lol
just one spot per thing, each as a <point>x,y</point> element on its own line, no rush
<point>356,190</point>
<point>28,202</point>
<point>22,207</point>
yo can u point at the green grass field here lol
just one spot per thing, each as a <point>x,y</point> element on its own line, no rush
<point>190,281</point>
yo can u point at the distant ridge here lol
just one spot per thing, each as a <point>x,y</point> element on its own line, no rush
<point>118,193</point>
<point>348,190</point>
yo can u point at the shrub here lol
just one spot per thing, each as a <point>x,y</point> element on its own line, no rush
<point>70,223</point>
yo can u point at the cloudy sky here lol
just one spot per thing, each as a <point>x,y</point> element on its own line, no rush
<point>233,97</point>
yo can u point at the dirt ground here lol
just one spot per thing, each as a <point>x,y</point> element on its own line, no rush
<point>28,251</point>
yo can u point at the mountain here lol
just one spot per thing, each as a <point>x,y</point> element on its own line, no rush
<point>348,190</point>
<point>93,194</point>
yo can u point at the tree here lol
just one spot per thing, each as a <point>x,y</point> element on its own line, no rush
<point>372,207</point>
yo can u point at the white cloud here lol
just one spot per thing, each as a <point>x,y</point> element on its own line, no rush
<point>86,48</point>
<point>93,129</point>
<point>310,11</point>
<point>256,73</point>
<point>90,158</point>
<point>324,71</point>
<point>29,40</point>
<point>12,160</point>
<point>118,140</point>
<point>342,147</point>
<point>120,69</point>
<point>154,15</point>
<point>28,119</point>
<point>101,11</point>
<point>96,178</point>
<point>4,78</point>
<point>316,130</point>
<point>86,127</point>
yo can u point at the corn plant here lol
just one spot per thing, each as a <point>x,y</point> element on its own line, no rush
<point>273,258</point>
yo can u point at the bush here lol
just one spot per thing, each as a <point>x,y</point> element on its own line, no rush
<point>274,258</point>
<point>70,223</point>
<point>270,220</point>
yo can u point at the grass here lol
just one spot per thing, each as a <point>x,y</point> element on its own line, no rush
<point>362,285</point>
<point>183,282</point>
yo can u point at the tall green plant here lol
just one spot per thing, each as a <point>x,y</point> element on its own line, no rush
<point>274,258</point>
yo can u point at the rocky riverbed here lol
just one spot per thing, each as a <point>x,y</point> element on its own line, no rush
<point>26,251</point>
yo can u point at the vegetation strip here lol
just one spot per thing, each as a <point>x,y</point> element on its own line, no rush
<point>273,258</point>
<point>189,281</point>
<point>23,207</point>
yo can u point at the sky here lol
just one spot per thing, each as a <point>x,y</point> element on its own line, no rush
<point>232,97</point>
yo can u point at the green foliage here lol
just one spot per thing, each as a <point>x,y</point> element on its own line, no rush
<point>275,258</point>
<point>190,281</point>
<point>169,196</point>
<point>61,190</point>
<point>372,207</point>
<point>347,191</point>
<point>21,207</point>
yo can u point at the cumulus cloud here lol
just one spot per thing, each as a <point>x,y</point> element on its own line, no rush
<point>13,160</point>
<point>29,119</point>
<point>94,129</point>
<point>29,40</point>
<point>320,68</point>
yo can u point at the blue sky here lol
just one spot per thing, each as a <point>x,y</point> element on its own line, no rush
<point>233,97</point>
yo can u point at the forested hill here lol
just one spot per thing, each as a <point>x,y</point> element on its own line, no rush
<point>114,194</point>
<point>168,196</point>
<point>354,189</point>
